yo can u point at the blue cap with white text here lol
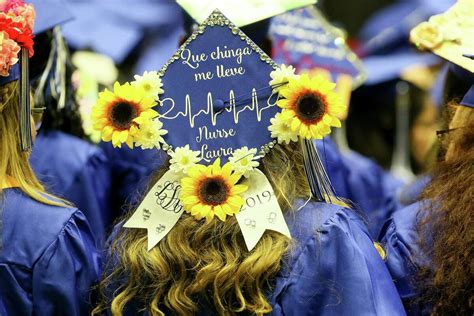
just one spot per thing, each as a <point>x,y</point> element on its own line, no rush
<point>217,96</point>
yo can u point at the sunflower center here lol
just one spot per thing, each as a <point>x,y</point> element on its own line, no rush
<point>311,107</point>
<point>122,114</point>
<point>213,191</point>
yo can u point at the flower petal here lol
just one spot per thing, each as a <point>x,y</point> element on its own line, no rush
<point>239,188</point>
<point>295,124</point>
<point>219,212</point>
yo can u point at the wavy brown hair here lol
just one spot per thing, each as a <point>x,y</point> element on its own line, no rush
<point>204,263</point>
<point>447,228</point>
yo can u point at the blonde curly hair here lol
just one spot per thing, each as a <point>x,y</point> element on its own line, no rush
<point>204,262</point>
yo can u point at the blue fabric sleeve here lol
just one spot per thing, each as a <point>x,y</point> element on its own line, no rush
<point>90,191</point>
<point>372,189</point>
<point>410,193</point>
<point>131,171</point>
<point>399,238</point>
<point>66,271</point>
<point>359,179</point>
<point>338,272</point>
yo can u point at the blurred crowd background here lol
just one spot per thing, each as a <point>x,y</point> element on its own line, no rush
<point>110,40</point>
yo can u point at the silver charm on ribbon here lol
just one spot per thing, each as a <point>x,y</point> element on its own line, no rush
<point>261,210</point>
<point>160,210</point>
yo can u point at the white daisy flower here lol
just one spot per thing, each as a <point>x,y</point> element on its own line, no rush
<point>244,160</point>
<point>150,135</point>
<point>281,130</point>
<point>281,75</point>
<point>183,158</point>
<point>150,82</point>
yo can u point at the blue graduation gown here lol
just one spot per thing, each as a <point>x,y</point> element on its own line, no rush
<point>410,193</point>
<point>359,179</point>
<point>77,171</point>
<point>131,170</point>
<point>399,238</point>
<point>334,268</point>
<point>48,260</point>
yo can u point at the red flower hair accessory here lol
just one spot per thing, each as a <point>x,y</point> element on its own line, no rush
<point>16,32</point>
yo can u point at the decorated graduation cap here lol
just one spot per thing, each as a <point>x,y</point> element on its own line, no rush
<point>217,107</point>
<point>16,47</point>
<point>449,35</point>
<point>305,39</point>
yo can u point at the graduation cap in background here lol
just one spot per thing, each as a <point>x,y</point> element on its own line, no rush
<point>388,29</point>
<point>449,35</point>
<point>115,28</point>
<point>50,13</point>
<point>305,39</point>
<point>385,68</point>
<point>221,105</point>
<point>385,47</point>
<point>50,67</point>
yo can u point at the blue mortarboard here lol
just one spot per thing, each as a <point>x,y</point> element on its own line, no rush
<point>468,99</point>
<point>305,39</point>
<point>388,29</point>
<point>385,68</point>
<point>115,28</point>
<point>215,65</point>
<point>50,13</point>
<point>166,43</point>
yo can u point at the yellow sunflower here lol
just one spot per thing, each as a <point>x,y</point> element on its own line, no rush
<point>212,190</point>
<point>118,114</point>
<point>310,106</point>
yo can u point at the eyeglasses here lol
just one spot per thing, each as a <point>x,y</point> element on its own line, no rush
<point>37,114</point>
<point>443,133</point>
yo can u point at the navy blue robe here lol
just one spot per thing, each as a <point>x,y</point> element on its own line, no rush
<point>131,171</point>
<point>411,192</point>
<point>48,259</point>
<point>370,188</point>
<point>79,172</point>
<point>399,238</point>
